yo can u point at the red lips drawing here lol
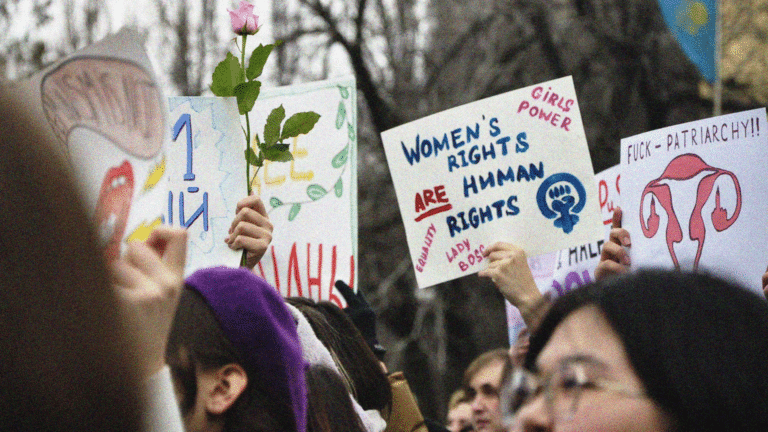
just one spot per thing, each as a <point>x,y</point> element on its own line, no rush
<point>113,207</point>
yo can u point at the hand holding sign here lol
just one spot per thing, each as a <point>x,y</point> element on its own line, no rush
<point>614,260</point>
<point>508,269</point>
<point>251,230</point>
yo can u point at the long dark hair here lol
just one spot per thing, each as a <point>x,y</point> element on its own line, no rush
<point>197,342</point>
<point>698,343</point>
<point>356,361</point>
<point>330,406</point>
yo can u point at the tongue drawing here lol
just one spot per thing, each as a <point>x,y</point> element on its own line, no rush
<point>112,208</point>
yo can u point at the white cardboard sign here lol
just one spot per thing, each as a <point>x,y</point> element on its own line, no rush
<point>512,167</point>
<point>575,266</point>
<point>105,108</point>
<point>312,201</point>
<point>694,196</point>
<point>206,177</point>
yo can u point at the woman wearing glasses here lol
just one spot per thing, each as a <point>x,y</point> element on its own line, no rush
<point>651,351</point>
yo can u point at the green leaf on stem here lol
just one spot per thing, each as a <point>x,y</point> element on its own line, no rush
<point>339,188</point>
<point>275,202</point>
<point>246,94</point>
<point>294,212</point>
<point>277,154</point>
<point>226,76</point>
<point>299,123</point>
<point>259,57</point>
<point>272,128</point>
<point>344,92</point>
<point>352,134</point>
<point>341,157</point>
<point>341,115</point>
<point>252,158</point>
<point>315,192</point>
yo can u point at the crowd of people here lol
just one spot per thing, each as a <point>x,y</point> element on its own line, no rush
<point>133,345</point>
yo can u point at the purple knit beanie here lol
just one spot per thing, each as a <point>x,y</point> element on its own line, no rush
<point>256,321</point>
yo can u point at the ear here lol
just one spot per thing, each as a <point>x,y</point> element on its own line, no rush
<point>229,383</point>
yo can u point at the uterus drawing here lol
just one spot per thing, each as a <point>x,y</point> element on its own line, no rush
<point>687,167</point>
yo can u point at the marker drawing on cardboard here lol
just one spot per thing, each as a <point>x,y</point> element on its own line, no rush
<point>513,167</point>
<point>105,108</point>
<point>312,200</point>
<point>205,176</point>
<point>694,196</point>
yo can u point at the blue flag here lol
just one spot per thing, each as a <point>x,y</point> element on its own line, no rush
<point>693,24</point>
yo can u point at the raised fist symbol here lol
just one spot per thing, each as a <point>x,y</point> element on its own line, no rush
<point>561,196</point>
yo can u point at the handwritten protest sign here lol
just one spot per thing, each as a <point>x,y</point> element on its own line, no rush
<point>694,196</point>
<point>312,201</point>
<point>206,176</point>
<point>512,167</point>
<point>575,266</point>
<point>106,110</point>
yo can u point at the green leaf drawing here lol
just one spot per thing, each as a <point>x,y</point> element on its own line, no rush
<point>252,158</point>
<point>344,92</point>
<point>341,157</point>
<point>226,76</point>
<point>351,129</point>
<point>246,94</point>
<point>275,203</point>
<point>257,61</point>
<point>339,188</point>
<point>299,123</point>
<point>341,115</point>
<point>272,128</point>
<point>316,192</point>
<point>294,212</point>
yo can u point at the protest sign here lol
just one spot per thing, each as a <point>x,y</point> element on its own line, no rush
<point>575,266</point>
<point>694,196</point>
<point>206,177</point>
<point>105,109</point>
<point>513,167</point>
<point>312,200</point>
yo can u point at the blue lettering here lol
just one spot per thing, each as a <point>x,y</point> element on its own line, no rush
<point>411,154</point>
<point>537,171</point>
<point>474,156</point>
<point>489,181</point>
<point>473,134</point>
<point>452,163</point>
<point>456,138</point>
<point>452,227</point>
<point>467,186</point>
<point>503,141</point>
<point>495,131</point>
<point>489,151</point>
<point>522,144</point>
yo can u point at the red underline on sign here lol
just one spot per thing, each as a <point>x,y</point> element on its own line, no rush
<point>608,221</point>
<point>433,212</point>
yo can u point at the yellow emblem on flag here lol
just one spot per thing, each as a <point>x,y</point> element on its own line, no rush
<point>692,16</point>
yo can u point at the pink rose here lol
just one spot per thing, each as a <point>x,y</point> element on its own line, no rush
<point>243,19</point>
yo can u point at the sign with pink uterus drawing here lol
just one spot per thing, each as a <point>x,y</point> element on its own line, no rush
<point>695,196</point>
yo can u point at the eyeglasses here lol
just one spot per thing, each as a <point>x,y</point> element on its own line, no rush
<point>562,390</point>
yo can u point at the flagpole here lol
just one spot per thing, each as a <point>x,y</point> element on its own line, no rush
<point>718,90</point>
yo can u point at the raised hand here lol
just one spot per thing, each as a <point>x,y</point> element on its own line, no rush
<point>251,230</point>
<point>614,259</point>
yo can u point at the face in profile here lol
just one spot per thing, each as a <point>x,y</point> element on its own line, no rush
<point>584,382</point>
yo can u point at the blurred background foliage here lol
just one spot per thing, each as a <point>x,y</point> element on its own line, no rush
<point>412,58</point>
